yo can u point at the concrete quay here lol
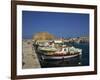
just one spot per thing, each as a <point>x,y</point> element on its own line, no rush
<point>29,56</point>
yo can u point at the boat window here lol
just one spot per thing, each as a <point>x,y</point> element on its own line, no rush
<point>64,49</point>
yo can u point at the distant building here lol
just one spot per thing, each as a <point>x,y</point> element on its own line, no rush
<point>42,36</point>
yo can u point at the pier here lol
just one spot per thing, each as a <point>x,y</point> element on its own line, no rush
<point>30,58</point>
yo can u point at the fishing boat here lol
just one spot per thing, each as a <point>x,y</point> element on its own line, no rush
<point>62,52</point>
<point>57,50</point>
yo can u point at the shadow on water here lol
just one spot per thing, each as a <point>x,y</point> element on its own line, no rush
<point>60,63</point>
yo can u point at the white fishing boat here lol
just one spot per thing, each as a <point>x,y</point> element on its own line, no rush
<point>58,57</point>
<point>60,53</point>
<point>57,50</point>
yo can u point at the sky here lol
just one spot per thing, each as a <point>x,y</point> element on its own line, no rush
<point>59,24</point>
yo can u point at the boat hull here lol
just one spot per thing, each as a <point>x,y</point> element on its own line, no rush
<point>59,57</point>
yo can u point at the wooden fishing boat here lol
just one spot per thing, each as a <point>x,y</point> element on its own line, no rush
<point>64,53</point>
